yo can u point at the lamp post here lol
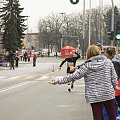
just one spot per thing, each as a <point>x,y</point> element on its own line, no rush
<point>83,29</point>
<point>48,39</point>
<point>89,42</point>
<point>102,29</point>
<point>28,41</point>
<point>62,35</point>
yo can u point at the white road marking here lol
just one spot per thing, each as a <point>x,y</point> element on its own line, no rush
<point>11,78</point>
<point>80,93</point>
<point>29,77</point>
<point>1,77</point>
<point>80,85</point>
<point>62,106</point>
<point>43,77</point>
<point>14,86</point>
<point>27,82</point>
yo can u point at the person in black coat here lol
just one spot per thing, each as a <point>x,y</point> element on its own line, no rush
<point>11,58</point>
<point>16,61</point>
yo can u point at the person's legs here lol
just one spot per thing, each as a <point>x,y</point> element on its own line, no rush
<point>97,111</point>
<point>72,84</point>
<point>33,63</point>
<point>110,108</point>
<point>118,103</point>
<point>69,85</point>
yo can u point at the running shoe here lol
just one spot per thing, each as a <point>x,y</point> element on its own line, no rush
<point>72,86</point>
<point>69,90</point>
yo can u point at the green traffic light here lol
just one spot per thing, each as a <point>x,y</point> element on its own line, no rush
<point>118,36</point>
<point>74,1</point>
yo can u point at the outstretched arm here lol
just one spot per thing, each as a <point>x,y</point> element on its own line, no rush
<point>72,77</point>
<point>62,63</point>
<point>78,55</point>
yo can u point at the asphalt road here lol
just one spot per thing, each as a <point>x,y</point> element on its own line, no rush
<point>25,94</point>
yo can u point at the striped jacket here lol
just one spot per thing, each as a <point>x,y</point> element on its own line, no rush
<point>99,76</point>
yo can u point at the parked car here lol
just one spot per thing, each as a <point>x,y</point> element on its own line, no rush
<point>4,63</point>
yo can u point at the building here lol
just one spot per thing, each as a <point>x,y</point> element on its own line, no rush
<point>31,40</point>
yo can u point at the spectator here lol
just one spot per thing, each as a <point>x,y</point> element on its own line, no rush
<point>25,56</point>
<point>111,54</point>
<point>56,54</point>
<point>28,57</point>
<point>11,60</point>
<point>34,59</point>
<point>16,61</point>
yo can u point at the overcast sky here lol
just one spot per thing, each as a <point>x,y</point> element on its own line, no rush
<point>41,8</point>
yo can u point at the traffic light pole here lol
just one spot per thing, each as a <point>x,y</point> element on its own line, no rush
<point>75,2</point>
<point>112,22</point>
<point>83,51</point>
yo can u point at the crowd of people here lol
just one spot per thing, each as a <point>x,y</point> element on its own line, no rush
<point>14,58</point>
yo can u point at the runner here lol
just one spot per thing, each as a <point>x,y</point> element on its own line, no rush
<point>71,63</point>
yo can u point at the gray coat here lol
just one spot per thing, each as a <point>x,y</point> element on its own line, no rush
<point>100,79</point>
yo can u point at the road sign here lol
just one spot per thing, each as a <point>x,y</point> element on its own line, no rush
<point>98,41</point>
<point>74,1</point>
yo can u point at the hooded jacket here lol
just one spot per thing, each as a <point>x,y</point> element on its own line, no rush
<point>99,76</point>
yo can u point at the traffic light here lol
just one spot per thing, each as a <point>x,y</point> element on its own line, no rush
<point>118,28</point>
<point>74,1</point>
<point>118,31</point>
<point>110,35</point>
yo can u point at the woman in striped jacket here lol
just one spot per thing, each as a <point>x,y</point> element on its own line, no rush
<point>100,82</point>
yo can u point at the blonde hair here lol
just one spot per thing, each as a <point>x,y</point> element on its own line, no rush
<point>93,50</point>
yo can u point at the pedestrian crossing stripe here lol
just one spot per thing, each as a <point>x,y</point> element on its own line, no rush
<point>28,77</point>
<point>16,77</point>
<point>43,77</point>
<point>2,77</point>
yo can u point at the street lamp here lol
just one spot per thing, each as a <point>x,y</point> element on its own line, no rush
<point>27,33</point>
<point>48,39</point>
<point>61,35</point>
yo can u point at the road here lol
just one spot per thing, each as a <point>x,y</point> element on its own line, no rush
<point>25,94</point>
